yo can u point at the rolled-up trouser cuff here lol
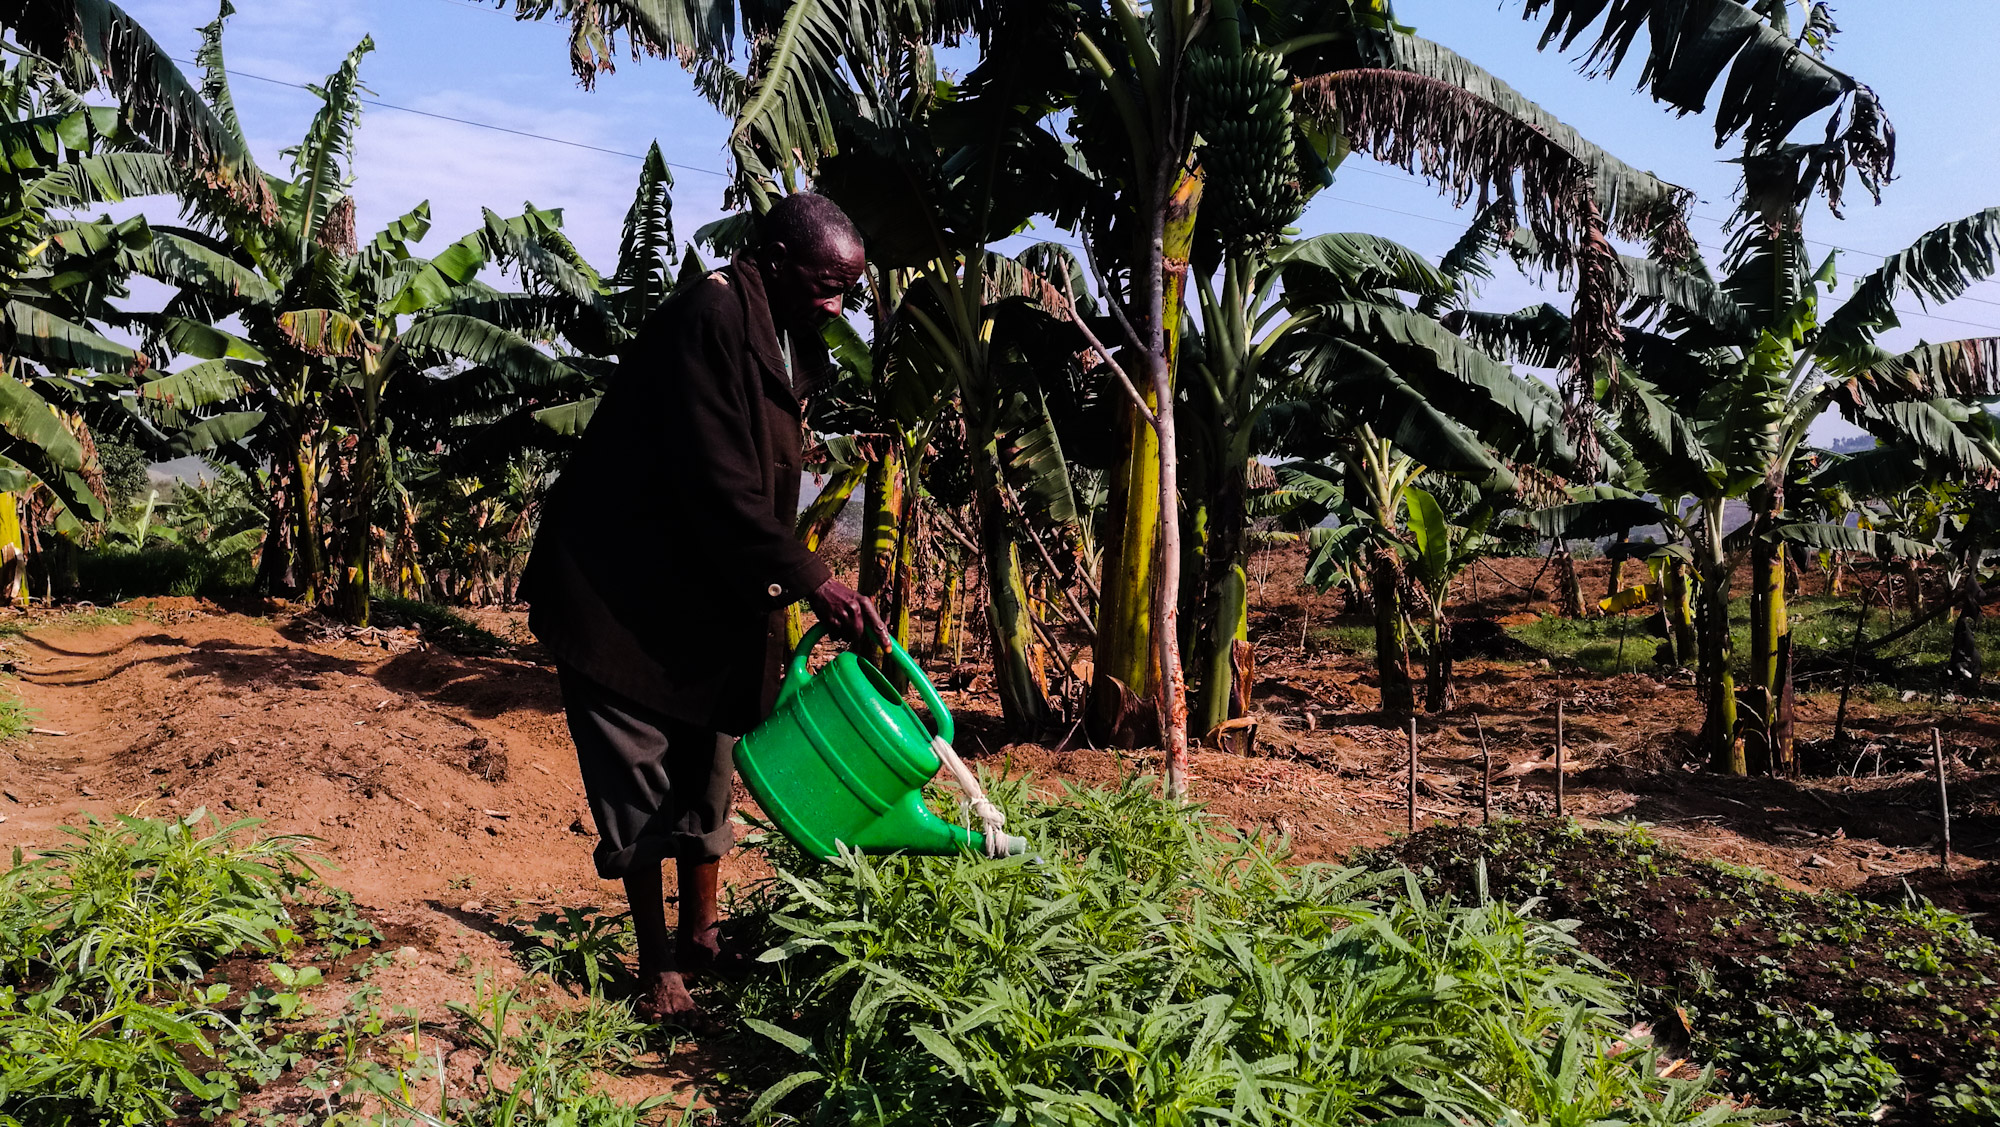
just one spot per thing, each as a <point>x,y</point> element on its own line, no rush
<point>614,863</point>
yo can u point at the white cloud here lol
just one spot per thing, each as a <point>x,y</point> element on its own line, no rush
<point>404,158</point>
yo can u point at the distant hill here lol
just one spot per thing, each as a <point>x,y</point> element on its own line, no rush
<point>1853,444</point>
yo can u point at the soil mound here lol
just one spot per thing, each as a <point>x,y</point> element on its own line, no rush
<point>1973,893</point>
<point>452,770</point>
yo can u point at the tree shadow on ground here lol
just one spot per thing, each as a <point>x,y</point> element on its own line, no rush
<point>485,687</point>
<point>1774,811</point>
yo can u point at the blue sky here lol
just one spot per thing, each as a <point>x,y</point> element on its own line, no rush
<point>461,59</point>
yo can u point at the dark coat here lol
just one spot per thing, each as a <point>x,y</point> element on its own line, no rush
<point>666,552</point>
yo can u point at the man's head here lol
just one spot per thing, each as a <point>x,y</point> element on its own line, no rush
<point>810,255</point>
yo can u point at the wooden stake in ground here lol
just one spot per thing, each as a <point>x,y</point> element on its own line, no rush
<point>1413,775</point>
<point>1847,676</point>
<point>1559,759</point>
<point>1944,800</point>
<point>1485,775</point>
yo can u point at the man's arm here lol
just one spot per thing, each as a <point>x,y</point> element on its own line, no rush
<point>714,455</point>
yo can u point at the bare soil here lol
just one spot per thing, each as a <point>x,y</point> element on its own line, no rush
<point>444,793</point>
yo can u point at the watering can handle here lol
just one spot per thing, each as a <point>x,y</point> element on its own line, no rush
<point>797,673</point>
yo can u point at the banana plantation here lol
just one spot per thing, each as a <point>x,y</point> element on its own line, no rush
<point>1105,424</point>
<point>1068,448</point>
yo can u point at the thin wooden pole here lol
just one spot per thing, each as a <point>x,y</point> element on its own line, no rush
<point>1485,775</point>
<point>1412,809</point>
<point>1559,759</point>
<point>1944,799</point>
<point>1847,676</point>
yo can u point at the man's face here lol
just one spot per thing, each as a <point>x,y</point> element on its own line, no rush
<point>806,290</point>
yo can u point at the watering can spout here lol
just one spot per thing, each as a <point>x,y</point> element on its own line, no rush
<point>843,760</point>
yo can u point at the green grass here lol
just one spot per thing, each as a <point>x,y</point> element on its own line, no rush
<point>112,573</point>
<point>1589,642</point>
<point>1145,965</point>
<point>1346,638</point>
<point>73,618</point>
<point>15,717</point>
<point>1822,632</point>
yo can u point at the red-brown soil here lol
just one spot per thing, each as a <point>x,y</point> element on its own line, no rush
<point>444,790</point>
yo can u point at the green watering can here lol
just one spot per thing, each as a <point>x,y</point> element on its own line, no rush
<point>843,759</point>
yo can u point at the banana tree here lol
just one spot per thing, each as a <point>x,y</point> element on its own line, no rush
<point>1722,380</point>
<point>1161,87</point>
<point>1443,544</point>
<point>297,397</point>
<point>1382,393</point>
<point>60,278</point>
<point>1249,335</point>
<point>93,43</point>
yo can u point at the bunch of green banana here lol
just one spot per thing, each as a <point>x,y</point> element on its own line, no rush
<point>1242,106</point>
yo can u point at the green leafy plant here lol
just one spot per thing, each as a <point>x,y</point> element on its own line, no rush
<point>15,717</point>
<point>552,1054</point>
<point>1810,1064</point>
<point>104,943</point>
<point>1146,964</point>
<point>1976,1099</point>
<point>578,946</point>
<point>139,903</point>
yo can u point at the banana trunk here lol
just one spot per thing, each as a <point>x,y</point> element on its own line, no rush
<point>1222,699</point>
<point>814,523</point>
<point>882,520</point>
<point>1719,737</point>
<point>308,543</point>
<point>1392,645</point>
<point>1022,702</point>
<point>947,616</point>
<point>1767,729</point>
<point>1125,652</point>
<point>13,553</point>
<point>1680,611</point>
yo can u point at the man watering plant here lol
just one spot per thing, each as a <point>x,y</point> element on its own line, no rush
<point>666,558</point>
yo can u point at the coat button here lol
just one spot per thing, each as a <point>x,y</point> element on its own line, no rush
<point>775,590</point>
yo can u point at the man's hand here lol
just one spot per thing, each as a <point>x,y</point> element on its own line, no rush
<point>847,613</point>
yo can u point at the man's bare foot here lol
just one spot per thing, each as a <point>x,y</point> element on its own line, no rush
<point>702,950</point>
<point>663,995</point>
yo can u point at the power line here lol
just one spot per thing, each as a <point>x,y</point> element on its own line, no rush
<point>476,124</point>
<point>714,172</point>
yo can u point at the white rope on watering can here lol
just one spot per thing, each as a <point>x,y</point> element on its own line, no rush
<point>992,821</point>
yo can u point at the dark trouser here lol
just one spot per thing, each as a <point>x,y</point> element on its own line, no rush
<point>658,787</point>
